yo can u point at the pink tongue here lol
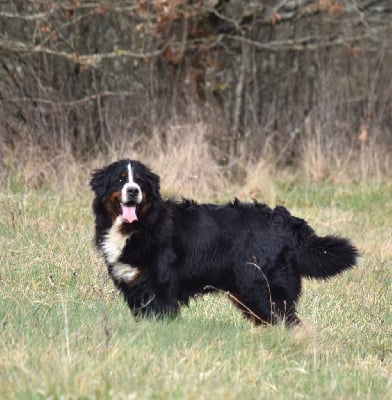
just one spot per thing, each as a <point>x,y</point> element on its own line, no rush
<point>129,213</point>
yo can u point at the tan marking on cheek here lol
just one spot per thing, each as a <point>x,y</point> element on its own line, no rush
<point>145,206</point>
<point>110,204</point>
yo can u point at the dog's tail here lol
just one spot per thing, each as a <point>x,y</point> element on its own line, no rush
<point>322,257</point>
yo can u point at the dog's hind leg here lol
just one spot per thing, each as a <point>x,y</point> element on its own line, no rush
<point>285,289</point>
<point>283,307</point>
<point>252,295</point>
<point>261,300</point>
<point>159,308</point>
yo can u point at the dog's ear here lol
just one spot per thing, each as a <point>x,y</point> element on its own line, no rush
<point>154,181</point>
<point>100,180</point>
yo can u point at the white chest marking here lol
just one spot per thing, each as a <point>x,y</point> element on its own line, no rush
<point>112,248</point>
<point>124,272</point>
<point>114,242</point>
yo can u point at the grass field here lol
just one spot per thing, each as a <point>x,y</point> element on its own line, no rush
<point>65,333</point>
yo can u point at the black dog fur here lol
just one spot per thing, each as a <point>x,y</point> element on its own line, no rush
<point>176,250</point>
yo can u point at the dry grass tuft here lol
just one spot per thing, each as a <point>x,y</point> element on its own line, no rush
<point>259,182</point>
<point>186,162</point>
<point>341,159</point>
<point>35,166</point>
<point>190,166</point>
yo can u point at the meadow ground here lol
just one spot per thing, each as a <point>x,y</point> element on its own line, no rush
<point>65,333</point>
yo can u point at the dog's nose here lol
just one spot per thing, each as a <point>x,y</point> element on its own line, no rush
<point>132,192</point>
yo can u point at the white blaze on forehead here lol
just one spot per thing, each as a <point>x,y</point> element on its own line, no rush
<point>130,173</point>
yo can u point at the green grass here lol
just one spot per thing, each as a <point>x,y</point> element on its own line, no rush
<point>65,333</point>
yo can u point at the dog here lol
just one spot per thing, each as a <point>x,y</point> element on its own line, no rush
<point>161,253</point>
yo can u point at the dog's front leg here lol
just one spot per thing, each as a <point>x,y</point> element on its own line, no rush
<point>166,285</point>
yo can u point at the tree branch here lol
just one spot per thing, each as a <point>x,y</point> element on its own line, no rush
<point>84,59</point>
<point>86,99</point>
<point>307,43</point>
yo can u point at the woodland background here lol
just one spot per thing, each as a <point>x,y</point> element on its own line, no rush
<point>303,84</point>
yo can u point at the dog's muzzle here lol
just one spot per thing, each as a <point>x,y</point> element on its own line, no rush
<point>131,196</point>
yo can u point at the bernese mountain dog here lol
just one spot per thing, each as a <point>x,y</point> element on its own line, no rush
<point>160,253</point>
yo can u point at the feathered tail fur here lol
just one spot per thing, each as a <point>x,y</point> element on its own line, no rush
<point>322,257</point>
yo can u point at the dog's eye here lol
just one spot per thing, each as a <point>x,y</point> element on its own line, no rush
<point>121,179</point>
<point>138,178</point>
